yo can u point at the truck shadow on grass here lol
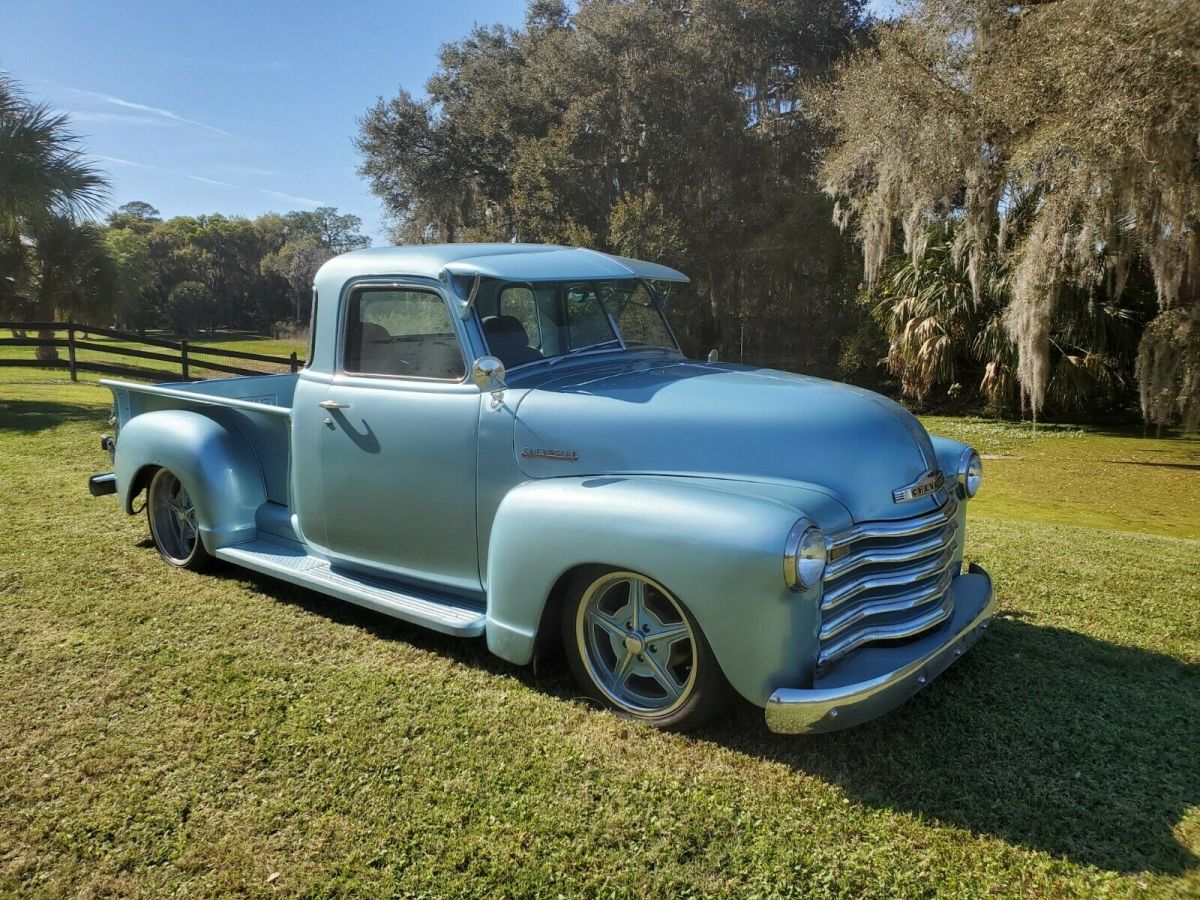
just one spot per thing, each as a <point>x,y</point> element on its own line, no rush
<point>1042,737</point>
<point>28,416</point>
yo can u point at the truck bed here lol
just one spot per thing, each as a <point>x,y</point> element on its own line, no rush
<point>260,406</point>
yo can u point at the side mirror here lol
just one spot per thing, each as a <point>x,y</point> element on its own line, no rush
<point>488,374</point>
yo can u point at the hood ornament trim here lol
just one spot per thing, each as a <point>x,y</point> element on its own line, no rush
<point>922,487</point>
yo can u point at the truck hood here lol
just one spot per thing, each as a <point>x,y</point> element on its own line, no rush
<point>720,420</point>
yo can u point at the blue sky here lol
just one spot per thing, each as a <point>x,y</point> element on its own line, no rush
<point>233,106</point>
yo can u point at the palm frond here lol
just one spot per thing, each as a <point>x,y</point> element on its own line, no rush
<point>43,170</point>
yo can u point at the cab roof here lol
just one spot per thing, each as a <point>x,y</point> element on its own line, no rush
<point>510,262</point>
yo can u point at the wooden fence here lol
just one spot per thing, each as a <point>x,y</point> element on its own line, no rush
<point>186,355</point>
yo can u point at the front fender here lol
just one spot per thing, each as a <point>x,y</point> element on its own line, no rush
<point>949,454</point>
<point>717,545</point>
<point>213,459</point>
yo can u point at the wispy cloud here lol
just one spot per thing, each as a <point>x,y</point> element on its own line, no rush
<point>292,198</point>
<point>204,180</point>
<point>280,195</point>
<point>118,161</point>
<point>155,110</point>
<point>121,118</point>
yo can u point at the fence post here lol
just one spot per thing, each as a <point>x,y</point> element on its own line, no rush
<point>71,350</point>
<point>183,359</point>
<point>295,363</point>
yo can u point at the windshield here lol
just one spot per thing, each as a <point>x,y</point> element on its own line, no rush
<point>529,322</point>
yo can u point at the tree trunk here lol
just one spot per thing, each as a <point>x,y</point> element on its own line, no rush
<point>46,353</point>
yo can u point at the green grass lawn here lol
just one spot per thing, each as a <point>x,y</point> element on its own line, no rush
<point>163,733</point>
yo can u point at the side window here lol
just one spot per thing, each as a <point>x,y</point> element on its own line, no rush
<point>401,332</point>
<point>519,303</point>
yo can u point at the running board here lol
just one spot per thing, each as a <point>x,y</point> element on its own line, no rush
<point>291,563</point>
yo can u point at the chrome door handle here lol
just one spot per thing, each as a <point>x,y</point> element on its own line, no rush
<point>333,404</point>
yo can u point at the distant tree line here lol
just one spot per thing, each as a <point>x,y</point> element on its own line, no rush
<point>1016,184</point>
<point>133,269</point>
<point>203,272</point>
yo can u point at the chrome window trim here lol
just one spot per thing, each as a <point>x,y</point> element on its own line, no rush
<point>651,292</point>
<point>312,330</point>
<point>358,285</point>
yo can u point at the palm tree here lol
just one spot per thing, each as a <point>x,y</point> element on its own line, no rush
<point>941,333</point>
<point>43,175</point>
<point>74,274</point>
<point>42,169</point>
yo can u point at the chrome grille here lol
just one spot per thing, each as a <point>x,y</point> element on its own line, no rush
<point>888,581</point>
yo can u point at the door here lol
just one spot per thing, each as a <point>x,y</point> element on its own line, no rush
<point>399,440</point>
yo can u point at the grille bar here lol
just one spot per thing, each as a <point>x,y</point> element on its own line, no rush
<point>869,582</point>
<point>928,618</point>
<point>888,581</point>
<point>930,543</point>
<point>835,625</point>
<point>899,529</point>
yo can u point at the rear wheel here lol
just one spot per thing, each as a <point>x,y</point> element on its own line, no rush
<point>636,649</point>
<point>173,523</point>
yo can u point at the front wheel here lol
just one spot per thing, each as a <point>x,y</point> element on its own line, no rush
<point>173,523</point>
<point>636,649</point>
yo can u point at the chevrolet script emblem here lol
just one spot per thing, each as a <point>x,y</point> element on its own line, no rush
<point>925,486</point>
<point>554,454</point>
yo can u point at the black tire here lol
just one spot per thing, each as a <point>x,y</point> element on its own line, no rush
<point>611,671</point>
<point>173,523</point>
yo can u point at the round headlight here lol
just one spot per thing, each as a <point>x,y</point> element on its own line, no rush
<point>970,473</point>
<point>804,556</point>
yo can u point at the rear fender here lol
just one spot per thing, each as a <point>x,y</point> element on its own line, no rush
<point>213,459</point>
<point>716,545</point>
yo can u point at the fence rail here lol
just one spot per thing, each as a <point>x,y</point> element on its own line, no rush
<point>187,355</point>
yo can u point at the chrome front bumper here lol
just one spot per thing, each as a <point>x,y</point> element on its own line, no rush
<point>878,679</point>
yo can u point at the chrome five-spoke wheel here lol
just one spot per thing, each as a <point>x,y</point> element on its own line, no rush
<point>173,522</point>
<point>636,649</point>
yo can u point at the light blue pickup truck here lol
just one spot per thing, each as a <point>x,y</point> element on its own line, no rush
<point>504,440</point>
